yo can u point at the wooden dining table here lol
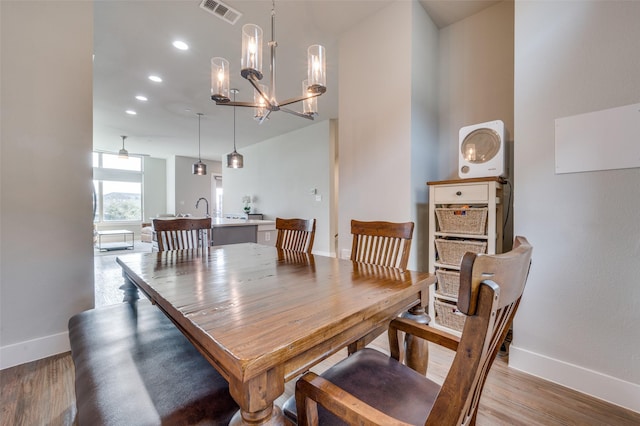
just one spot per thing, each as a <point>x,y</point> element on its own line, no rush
<point>262,316</point>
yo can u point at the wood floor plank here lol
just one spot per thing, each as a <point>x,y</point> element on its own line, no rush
<point>42,393</point>
<point>39,393</point>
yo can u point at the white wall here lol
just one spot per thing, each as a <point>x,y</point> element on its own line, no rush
<point>280,174</point>
<point>424,127</point>
<point>171,185</point>
<point>155,187</point>
<point>189,187</point>
<point>377,141</point>
<point>578,322</point>
<point>46,254</point>
<point>476,78</point>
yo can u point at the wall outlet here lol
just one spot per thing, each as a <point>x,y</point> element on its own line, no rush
<point>267,236</point>
<point>318,197</point>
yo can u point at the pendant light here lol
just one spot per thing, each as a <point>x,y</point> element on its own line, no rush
<point>234,160</point>
<point>123,153</point>
<point>199,168</point>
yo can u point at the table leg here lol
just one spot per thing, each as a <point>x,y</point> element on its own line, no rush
<point>256,398</point>
<point>129,289</point>
<point>416,350</point>
<point>273,417</point>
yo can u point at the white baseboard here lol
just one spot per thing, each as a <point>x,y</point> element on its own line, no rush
<point>32,350</point>
<point>598,385</point>
<point>323,253</point>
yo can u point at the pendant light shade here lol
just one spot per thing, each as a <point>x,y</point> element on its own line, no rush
<point>234,160</point>
<point>199,168</point>
<point>123,153</point>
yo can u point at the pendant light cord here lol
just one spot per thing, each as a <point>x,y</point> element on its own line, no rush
<point>199,116</point>
<point>234,124</point>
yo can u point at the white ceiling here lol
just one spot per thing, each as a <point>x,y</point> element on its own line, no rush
<point>132,39</point>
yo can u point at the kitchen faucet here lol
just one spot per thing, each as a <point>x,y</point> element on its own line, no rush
<point>206,201</point>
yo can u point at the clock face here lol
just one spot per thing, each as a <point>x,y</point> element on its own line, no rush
<point>480,146</point>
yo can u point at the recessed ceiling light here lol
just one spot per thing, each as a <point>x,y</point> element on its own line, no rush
<point>155,78</point>
<point>141,98</point>
<point>131,112</point>
<point>180,45</point>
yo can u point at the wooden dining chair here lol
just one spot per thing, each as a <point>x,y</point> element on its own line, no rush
<point>371,388</point>
<point>381,243</point>
<point>295,234</point>
<point>182,233</point>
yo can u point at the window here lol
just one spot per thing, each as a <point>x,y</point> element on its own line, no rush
<point>121,201</point>
<point>118,188</point>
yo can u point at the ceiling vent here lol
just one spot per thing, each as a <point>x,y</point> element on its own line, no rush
<point>221,10</point>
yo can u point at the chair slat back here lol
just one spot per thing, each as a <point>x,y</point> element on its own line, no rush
<point>491,287</point>
<point>382,243</point>
<point>295,234</point>
<point>182,233</point>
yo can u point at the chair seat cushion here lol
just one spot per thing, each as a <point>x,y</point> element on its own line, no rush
<point>381,382</point>
<point>134,367</point>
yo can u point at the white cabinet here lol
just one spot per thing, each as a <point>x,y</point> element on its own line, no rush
<point>464,215</point>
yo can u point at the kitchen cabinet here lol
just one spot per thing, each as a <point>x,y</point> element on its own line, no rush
<point>464,215</point>
<point>234,231</point>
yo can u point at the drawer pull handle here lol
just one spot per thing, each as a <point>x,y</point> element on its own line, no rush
<point>459,193</point>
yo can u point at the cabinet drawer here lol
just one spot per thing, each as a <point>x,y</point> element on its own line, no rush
<point>462,194</point>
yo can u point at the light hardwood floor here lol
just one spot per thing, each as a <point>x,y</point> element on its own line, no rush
<point>42,392</point>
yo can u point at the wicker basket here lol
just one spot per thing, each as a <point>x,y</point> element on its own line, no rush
<point>462,220</point>
<point>451,252</point>
<point>447,315</point>
<point>448,282</point>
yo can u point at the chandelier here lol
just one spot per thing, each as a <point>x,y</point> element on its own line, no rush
<point>264,99</point>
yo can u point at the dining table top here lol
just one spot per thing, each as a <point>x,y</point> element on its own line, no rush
<point>260,313</point>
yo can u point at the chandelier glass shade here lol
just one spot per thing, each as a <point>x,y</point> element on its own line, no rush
<point>261,109</point>
<point>123,153</point>
<point>310,104</point>
<point>199,168</point>
<point>265,100</point>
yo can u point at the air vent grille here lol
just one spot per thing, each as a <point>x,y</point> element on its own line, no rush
<point>221,10</point>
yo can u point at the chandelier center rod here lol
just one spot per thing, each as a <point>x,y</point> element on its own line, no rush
<point>272,45</point>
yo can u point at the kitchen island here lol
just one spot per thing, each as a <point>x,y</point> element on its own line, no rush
<point>234,231</point>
